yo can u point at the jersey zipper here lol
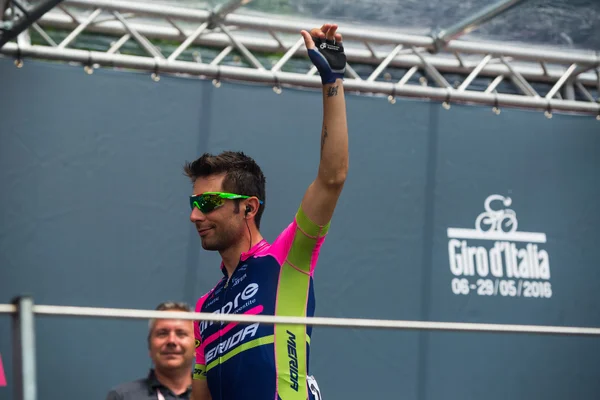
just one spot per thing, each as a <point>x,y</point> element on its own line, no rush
<point>225,290</point>
<point>223,302</point>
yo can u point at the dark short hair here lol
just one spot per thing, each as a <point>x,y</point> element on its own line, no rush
<point>242,175</point>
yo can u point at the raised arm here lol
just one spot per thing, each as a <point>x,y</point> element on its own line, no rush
<point>325,49</point>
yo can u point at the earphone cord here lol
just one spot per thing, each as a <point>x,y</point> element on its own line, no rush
<point>250,246</point>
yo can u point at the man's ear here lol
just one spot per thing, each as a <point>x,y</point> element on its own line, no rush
<point>251,208</point>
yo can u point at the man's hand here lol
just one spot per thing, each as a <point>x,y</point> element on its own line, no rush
<point>326,51</point>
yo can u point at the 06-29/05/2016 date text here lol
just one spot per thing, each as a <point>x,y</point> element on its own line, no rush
<point>502,287</point>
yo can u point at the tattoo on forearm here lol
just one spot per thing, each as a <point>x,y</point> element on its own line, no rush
<point>323,137</point>
<point>332,91</point>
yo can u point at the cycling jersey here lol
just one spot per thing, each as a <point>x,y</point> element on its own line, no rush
<point>262,361</point>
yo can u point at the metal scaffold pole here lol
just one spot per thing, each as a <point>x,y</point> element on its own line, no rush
<point>487,73</point>
<point>267,77</point>
<point>14,27</point>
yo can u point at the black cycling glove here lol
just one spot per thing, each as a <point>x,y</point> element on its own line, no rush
<point>329,58</point>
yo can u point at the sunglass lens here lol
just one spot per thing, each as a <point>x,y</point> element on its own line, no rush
<point>206,203</point>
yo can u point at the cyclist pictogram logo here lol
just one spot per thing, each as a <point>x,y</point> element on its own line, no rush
<point>497,220</point>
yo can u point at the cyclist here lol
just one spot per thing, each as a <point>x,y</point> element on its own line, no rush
<point>264,361</point>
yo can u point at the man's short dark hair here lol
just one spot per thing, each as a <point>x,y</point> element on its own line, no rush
<point>242,175</point>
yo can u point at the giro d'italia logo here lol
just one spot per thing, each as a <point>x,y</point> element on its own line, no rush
<point>496,259</point>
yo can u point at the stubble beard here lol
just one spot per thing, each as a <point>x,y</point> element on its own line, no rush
<point>221,240</point>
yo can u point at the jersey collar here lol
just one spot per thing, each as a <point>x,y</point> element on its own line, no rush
<point>247,254</point>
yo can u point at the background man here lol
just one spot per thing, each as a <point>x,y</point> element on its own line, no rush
<point>171,348</point>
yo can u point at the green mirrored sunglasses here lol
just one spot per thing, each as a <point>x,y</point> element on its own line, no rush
<point>209,201</point>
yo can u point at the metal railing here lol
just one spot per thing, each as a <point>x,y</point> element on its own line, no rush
<point>23,311</point>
